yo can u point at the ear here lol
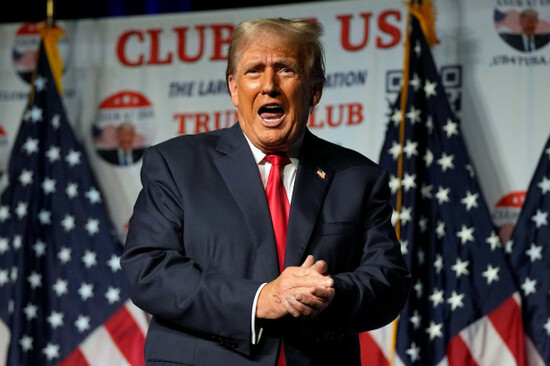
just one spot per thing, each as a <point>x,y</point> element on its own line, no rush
<point>232,84</point>
<point>316,95</point>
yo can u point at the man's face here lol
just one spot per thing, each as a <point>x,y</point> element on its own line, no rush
<point>529,24</point>
<point>272,92</point>
<point>126,138</point>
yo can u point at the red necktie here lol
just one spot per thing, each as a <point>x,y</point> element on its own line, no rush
<point>278,203</point>
<point>279,208</point>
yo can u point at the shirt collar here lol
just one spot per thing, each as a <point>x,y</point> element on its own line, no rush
<point>293,152</point>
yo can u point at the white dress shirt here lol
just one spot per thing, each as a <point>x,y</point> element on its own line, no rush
<point>289,176</point>
<point>528,42</point>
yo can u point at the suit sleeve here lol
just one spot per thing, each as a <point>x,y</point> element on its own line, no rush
<point>167,283</point>
<point>375,292</point>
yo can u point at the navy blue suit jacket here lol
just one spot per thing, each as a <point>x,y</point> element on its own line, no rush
<point>516,40</point>
<point>200,243</point>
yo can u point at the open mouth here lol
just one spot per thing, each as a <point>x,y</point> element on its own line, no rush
<point>271,113</point>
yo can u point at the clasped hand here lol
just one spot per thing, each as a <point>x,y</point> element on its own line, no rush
<point>302,292</point>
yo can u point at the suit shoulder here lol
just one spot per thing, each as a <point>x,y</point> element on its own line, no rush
<point>188,144</point>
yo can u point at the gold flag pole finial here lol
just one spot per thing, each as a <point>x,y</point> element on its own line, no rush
<point>426,14</point>
<point>49,14</point>
<point>50,33</point>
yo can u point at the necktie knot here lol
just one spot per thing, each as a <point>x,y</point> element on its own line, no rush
<point>277,159</point>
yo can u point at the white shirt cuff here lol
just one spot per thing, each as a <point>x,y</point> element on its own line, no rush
<point>256,333</point>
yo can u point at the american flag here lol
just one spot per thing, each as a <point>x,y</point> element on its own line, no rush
<point>464,307</point>
<point>63,299</point>
<point>510,22</point>
<point>529,254</point>
<point>106,137</point>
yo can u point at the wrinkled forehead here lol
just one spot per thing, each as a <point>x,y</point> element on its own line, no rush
<point>272,43</point>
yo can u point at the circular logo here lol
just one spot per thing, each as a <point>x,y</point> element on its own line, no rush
<point>506,214</point>
<point>525,30</point>
<point>25,50</point>
<point>123,128</point>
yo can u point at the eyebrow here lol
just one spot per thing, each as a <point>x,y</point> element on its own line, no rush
<point>277,62</point>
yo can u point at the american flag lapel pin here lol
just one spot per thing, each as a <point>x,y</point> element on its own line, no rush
<point>321,173</point>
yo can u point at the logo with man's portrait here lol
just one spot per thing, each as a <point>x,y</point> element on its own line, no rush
<point>123,128</point>
<point>525,30</point>
<point>25,49</point>
<point>506,213</point>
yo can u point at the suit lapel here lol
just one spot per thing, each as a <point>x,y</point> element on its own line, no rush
<point>240,173</point>
<point>312,181</point>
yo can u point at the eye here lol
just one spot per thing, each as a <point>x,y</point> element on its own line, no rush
<point>287,70</point>
<point>252,72</point>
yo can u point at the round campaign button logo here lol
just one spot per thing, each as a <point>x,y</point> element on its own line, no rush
<point>524,29</point>
<point>506,214</point>
<point>25,49</point>
<point>123,128</point>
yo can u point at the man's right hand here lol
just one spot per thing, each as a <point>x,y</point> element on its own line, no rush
<point>302,292</point>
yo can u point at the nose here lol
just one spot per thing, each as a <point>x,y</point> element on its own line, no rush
<point>270,83</point>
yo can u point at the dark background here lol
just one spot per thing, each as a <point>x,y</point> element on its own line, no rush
<point>35,10</point>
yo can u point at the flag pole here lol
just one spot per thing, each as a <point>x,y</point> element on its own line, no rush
<point>399,196</point>
<point>424,11</point>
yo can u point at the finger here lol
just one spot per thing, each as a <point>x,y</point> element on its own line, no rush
<point>316,297</point>
<point>298,309</point>
<point>320,266</point>
<point>292,310</point>
<point>325,294</point>
<point>305,278</point>
<point>310,260</point>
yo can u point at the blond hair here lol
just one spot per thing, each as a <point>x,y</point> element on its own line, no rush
<point>299,31</point>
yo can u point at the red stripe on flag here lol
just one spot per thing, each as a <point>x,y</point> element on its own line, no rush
<point>371,354</point>
<point>76,358</point>
<point>507,321</point>
<point>459,354</point>
<point>127,336</point>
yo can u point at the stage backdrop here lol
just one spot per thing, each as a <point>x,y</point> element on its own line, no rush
<point>164,75</point>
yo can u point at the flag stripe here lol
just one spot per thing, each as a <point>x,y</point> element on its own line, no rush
<point>371,354</point>
<point>4,342</point>
<point>501,318</point>
<point>140,317</point>
<point>458,353</point>
<point>485,344</point>
<point>533,356</point>
<point>75,359</point>
<point>127,335</point>
<point>100,350</point>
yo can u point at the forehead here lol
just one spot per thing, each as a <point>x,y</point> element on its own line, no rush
<point>529,17</point>
<point>270,45</point>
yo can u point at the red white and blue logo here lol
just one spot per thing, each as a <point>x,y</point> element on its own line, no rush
<point>526,30</point>
<point>123,128</point>
<point>25,49</point>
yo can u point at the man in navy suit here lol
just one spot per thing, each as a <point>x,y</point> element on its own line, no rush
<point>201,253</point>
<point>125,153</point>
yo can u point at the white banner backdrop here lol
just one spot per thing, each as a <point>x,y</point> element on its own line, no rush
<point>164,74</point>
